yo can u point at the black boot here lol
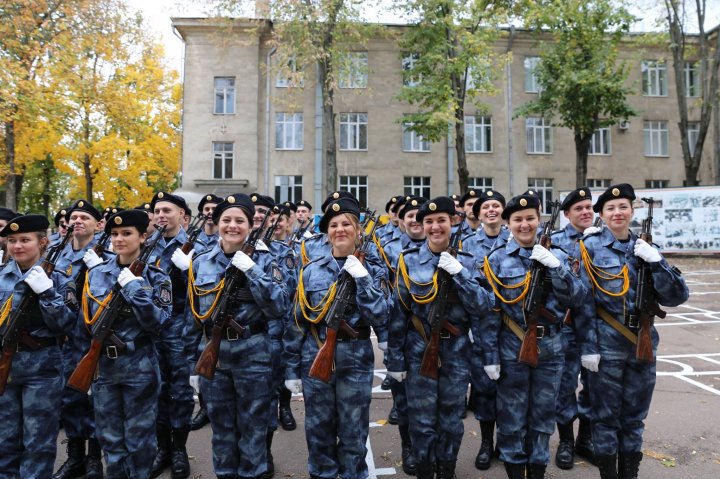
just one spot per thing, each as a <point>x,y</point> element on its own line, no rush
<point>565,455</point>
<point>484,455</point>
<point>409,463</point>
<point>515,471</point>
<point>608,466</point>
<point>536,471</point>
<point>270,472</point>
<point>180,464</point>
<point>285,415</point>
<point>93,463</point>
<point>387,383</point>
<point>162,456</point>
<point>200,419</point>
<point>75,464</point>
<point>393,416</point>
<point>629,465</point>
<point>583,443</point>
<point>425,470</point>
<point>446,470</point>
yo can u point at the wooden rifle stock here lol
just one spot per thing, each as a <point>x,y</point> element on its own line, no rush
<point>16,323</point>
<point>533,303</point>
<point>84,373</point>
<point>221,315</point>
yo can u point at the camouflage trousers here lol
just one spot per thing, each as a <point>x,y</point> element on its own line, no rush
<point>126,397</point>
<point>78,416</point>
<point>30,415</point>
<point>176,402</point>
<point>571,403</point>
<point>275,330</point>
<point>484,390</point>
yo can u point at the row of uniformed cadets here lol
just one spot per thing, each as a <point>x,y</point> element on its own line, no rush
<point>490,281</point>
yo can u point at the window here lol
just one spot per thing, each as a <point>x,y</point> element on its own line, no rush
<point>480,183</point>
<point>288,131</point>
<point>593,183</point>
<point>418,186</point>
<point>656,138</point>
<point>288,188</point>
<point>692,79</point>
<point>224,95</point>
<point>289,78</point>
<point>654,78</point>
<point>544,188</point>
<point>353,72</point>
<point>693,131</point>
<point>222,160</point>
<point>600,142</point>
<point>358,186</point>
<point>408,65</point>
<point>353,131</point>
<point>539,135</point>
<point>657,183</point>
<point>412,141</point>
<point>478,134</point>
<point>476,77</point>
<point>531,82</point>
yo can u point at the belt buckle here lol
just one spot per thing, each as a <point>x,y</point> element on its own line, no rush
<point>540,331</point>
<point>632,321</point>
<point>231,334</point>
<point>444,334</point>
<point>111,352</point>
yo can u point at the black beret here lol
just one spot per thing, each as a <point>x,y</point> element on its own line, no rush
<point>576,196</point>
<point>304,203</point>
<point>178,201</point>
<point>209,198</point>
<point>521,202</point>
<point>338,207</point>
<point>60,214</point>
<point>469,195</point>
<point>487,196</point>
<point>392,201</point>
<point>414,203</point>
<point>8,214</point>
<point>25,224</point>
<point>134,217</point>
<point>262,200</point>
<point>455,197</point>
<point>237,200</point>
<point>86,206</point>
<point>290,205</point>
<point>622,190</point>
<point>281,210</point>
<point>399,204</point>
<point>336,196</point>
<point>441,204</point>
<point>146,207</point>
<point>111,210</point>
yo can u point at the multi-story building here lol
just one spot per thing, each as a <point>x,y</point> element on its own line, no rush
<point>244,130</point>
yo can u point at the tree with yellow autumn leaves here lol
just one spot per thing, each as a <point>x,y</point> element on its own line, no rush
<point>89,111</point>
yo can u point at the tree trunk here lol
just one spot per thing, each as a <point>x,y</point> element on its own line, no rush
<point>11,187</point>
<point>328,133</point>
<point>47,172</point>
<point>582,147</point>
<point>88,177</point>
<point>462,168</point>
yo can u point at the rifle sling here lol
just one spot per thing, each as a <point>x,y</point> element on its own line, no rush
<point>30,343</point>
<point>542,330</point>
<point>448,330</point>
<point>616,325</point>
<point>513,326</point>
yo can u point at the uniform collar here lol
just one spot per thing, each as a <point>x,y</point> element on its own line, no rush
<point>512,247</point>
<point>426,255</point>
<point>571,232</point>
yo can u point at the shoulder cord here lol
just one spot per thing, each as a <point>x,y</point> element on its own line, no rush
<point>6,308</point>
<point>382,252</point>
<point>595,273</point>
<point>308,309</point>
<point>495,282</point>
<point>193,291</point>
<point>303,253</point>
<point>86,304</point>
<point>424,299</point>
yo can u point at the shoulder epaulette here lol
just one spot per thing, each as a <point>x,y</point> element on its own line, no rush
<point>495,248</point>
<point>412,249</point>
<point>158,269</point>
<point>464,253</point>
<point>554,246</point>
<point>554,232</point>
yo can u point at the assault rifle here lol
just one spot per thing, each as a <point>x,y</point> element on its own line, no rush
<point>436,313</point>
<point>222,316</point>
<point>298,233</point>
<point>267,239</point>
<point>193,232</point>
<point>337,314</point>
<point>84,372</point>
<point>99,250</point>
<point>534,303</point>
<point>16,322</point>
<point>646,306</point>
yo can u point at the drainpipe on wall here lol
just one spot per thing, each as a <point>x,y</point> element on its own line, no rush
<point>508,106</point>
<point>268,94</point>
<point>182,110</point>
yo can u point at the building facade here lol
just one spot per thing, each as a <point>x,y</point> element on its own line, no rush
<point>245,131</point>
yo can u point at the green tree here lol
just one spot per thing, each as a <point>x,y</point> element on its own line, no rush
<point>454,62</point>
<point>582,80</point>
<point>696,51</point>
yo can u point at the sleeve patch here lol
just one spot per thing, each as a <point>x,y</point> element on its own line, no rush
<point>165,296</point>
<point>277,274</point>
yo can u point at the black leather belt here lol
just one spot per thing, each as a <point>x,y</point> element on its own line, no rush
<point>114,351</point>
<point>363,332</point>
<point>548,331</point>
<point>233,333</point>
<point>31,343</point>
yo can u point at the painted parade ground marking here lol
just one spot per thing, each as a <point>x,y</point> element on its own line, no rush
<point>687,371</point>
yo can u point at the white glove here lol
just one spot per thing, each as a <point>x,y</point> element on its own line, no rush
<point>399,377</point>
<point>182,260</point>
<point>492,371</point>
<point>590,362</point>
<point>38,280</point>
<point>645,251</point>
<point>545,257</point>
<point>354,267</point>
<point>2,255</point>
<point>449,264</point>
<point>382,346</point>
<point>591,230</point>
<point>91,259</point>
<point>294,385</point>
<point>242,261</point>
<point>126,276</point>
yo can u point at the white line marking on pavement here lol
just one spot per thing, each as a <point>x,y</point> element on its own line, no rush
<point>698,384</point>
<point>370,460</point>
<point>688,370</point>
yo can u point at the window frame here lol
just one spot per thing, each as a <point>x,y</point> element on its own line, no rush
<point>545,127</point>
<point>654,74</point>
<point>225,92</point>
<point>530,82</point>
<point>224,159</point>
<point>349,79</point>
<point>542,191</point>
<point>485,129</point>
<point>359,187</point>
<point>416,141</point>
<point>353,125</point>
<point>295,134</point>
<point>291,185</point>
<point>411,188</point>
<point>652,133</point>
<point>604,132</point>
